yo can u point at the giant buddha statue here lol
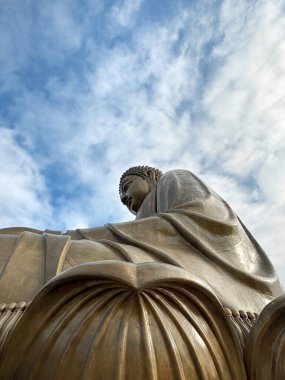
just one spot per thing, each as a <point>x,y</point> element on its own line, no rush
<point>174,294</point>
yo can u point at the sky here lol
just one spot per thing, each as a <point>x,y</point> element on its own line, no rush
<point>89,88</point>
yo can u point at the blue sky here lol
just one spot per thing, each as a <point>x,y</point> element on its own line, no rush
<point>89,88</point>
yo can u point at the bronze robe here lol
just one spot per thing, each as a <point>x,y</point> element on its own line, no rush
<point>182,222</point>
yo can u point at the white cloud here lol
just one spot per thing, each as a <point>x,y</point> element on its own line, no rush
<point>24,197</point>
<point>124,12</point>
<point>245,103</point>
<point>61,29</point>
<point>271,179</point>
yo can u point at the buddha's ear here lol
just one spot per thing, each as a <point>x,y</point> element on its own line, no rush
<point>151,174</point>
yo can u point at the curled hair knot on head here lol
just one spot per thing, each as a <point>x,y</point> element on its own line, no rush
<point>141,171</point>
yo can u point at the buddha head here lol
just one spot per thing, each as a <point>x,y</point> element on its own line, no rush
<point>135,184</point>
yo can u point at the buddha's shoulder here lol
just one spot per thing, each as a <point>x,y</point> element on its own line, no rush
<point>177,175</point>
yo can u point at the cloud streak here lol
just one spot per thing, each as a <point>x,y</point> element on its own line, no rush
<point>23,194</point>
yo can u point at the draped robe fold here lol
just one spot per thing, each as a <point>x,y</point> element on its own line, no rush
<point>181,222</point>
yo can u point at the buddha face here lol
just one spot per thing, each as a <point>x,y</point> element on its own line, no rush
<point>134,189</point>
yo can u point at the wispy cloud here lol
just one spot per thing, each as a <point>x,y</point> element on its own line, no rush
<point>23,194</point>
<point>125,12</point>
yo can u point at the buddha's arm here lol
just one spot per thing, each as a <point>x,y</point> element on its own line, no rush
<point>154,228</point>
<point>18,230</point>
<point>142,229</point>
<point>98,233</point>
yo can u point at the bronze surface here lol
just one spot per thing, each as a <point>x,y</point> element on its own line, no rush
<point>116,320</point>
<point>174,294</point>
